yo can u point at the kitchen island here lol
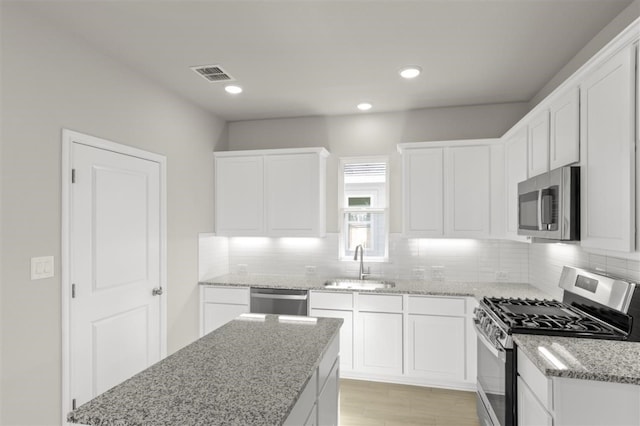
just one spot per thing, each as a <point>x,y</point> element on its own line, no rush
<point>250,371</point>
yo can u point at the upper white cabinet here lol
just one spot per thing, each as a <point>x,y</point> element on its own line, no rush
<point>515,172</point>
<point>607,154</point>
<point>538,129</point>
<point>239,196</point>
<point>564,143</point>
<point>278,192</point>
<point>447,188</point>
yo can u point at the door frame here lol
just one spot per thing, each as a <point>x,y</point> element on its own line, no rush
<point>70,137</point>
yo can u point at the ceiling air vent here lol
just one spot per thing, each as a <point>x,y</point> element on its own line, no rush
<point>213,73</point>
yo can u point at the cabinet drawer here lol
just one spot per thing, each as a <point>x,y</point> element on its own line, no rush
<point>539,385</point>
<point>231,295</point>
<point>380,302</point>
<point>331,300</point>
<point>327,362</point>
<point>436,306</point>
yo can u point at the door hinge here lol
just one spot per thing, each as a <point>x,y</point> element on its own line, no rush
<point>73,404</point>
<point>73,291</point>
<point>73,175</point>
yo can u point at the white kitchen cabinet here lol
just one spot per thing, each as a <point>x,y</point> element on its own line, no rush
<point>607,143</point>
<point>336,305</point>
<point>515,172</point>
<point>219,305</point>
<point>447,189</point>
<point>438,340</point>
<point>378,339</point>
<point>564,142</point>
<point>468,183</point>
<point>346,334</point>
<point>378,343</point>
<point>327,406</point>
<point>538,128</point>
<point>423,197</point>
<point>275,192</point>
<point>295,194</point>
<point>530,411</point>
<point>239,195</point>
<point>564,401</point>
<point>437,347</point>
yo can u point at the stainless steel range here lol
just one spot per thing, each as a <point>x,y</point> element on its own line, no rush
<point>593,306</point>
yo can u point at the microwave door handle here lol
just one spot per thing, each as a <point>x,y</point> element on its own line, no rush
<point>539,210</point>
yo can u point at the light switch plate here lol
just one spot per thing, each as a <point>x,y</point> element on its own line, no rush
<point>41,267</point>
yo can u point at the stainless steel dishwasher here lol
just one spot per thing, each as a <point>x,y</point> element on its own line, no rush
<point>279,301</point>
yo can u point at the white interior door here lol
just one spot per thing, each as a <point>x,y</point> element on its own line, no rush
<point>115,251</point>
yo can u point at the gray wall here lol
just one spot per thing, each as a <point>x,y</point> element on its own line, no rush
<point>52,81</point>
<point>374,134</point>
<point>608,33</point>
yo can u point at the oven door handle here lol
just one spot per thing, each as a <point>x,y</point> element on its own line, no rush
<point>497,351</point>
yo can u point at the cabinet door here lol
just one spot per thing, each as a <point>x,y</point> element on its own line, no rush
<point>437,347</point>
<point>468,191</point>
<point>530,410</point>
<point>216,315</point>
<point>239,195</point>
<point>539,144</point>
<point>346,334</point>
<point>515,172</point>
<point>328,400</point>
<point>607,155</point>
<point>293,194</point>
<point>424,193</point>
<point>564,146</point>
<point>379,343</point>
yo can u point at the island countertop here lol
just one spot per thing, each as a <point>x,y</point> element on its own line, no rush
<point>246,372</point>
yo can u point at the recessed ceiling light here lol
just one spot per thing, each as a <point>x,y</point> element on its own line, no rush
<point>410,72</point>
<point>234,90</point>
<point>364,106</point>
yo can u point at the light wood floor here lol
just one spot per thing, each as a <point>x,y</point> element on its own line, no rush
<point>365,403</point>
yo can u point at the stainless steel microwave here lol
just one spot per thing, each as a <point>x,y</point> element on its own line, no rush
<point>549,205</point>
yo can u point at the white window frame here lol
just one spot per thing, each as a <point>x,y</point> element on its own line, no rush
<point>343,208</point>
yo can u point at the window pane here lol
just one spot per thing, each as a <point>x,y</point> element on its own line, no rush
<point>359,201</point>
<point>366,228</point>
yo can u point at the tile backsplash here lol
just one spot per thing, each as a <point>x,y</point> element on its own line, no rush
<point>428,259</point>
<point>409,258</point>
<point>546,262</point>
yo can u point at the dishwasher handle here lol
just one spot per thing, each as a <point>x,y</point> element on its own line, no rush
<point>279,296</point>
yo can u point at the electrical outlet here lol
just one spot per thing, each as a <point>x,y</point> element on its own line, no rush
<point>243,268</point>
<point>417,273</point>
<point>311,271</point>
<point>502,275</point>
<point>437,273</point>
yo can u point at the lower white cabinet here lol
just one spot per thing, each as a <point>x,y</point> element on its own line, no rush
<point>379,343</point>
<point>413,339</point>
<point>437,347</point>
<point>530,411</point>
<point>318,402</point>
<point>563,401</point>
<point>219,305</point>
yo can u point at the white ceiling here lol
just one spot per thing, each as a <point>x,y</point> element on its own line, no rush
<point>298,58</point>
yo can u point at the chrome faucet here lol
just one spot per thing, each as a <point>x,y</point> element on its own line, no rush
<point>361,273</point>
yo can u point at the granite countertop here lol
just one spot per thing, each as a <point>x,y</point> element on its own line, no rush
<point>246,372</point>
<point>586,359</point>
<point>435,288</point>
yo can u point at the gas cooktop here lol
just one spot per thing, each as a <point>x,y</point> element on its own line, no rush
<point>533,316</point>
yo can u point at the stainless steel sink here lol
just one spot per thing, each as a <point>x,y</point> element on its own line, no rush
<point>359,284</point>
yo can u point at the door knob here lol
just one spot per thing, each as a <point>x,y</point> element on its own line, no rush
<point>157,291</point>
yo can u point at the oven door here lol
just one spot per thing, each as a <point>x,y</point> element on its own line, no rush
<point>529,214</point>
<point>496,384</point>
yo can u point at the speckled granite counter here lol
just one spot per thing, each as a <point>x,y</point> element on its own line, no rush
<point>587,359</point>
<point>248,372</point>
<point>477,290</point>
